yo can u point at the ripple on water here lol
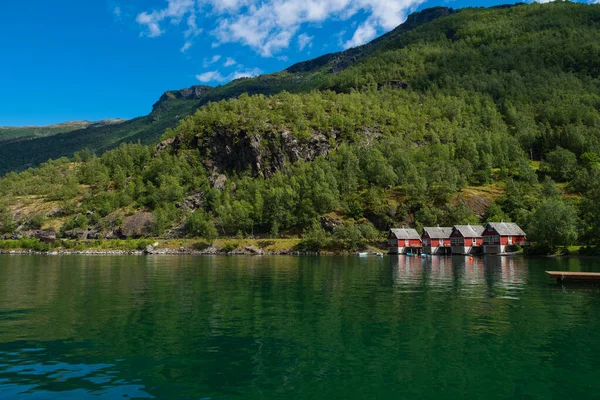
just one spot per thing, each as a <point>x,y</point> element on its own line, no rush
<point>27,374</point>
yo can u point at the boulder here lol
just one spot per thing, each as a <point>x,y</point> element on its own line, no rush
<point>46,236</point>
<point>329,224</point>
<point>192,202</point>
<point>138,225</point>
<point>254,250</point>
<point>218,181</point>
<point>55,213</point>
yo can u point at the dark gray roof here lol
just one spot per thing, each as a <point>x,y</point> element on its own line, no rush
<point>470,231</point>
<point>437,232</point>
<point>507,228</point>
<point>405,234</point>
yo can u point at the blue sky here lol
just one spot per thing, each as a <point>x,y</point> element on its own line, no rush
<point>70,59</point>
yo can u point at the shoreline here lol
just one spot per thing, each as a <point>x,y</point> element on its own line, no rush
<point>168,252</point>
<point>212,251</point>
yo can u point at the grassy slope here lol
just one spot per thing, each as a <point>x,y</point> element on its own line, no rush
<point>8,133</point>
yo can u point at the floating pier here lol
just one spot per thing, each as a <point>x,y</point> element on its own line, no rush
<point>566,276</point>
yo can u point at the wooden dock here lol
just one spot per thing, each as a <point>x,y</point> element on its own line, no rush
<point>566,276</point>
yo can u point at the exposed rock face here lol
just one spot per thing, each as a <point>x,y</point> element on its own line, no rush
<point>191,93</point>
<point>55,213</point>
<point>254,250</point>
<point>44,236</point>
<point>192,202</point>
<point>263,154</point>
<point>165,145</point>
<point>218,181</point>
<point>329,224</point>
<point>138,225</point>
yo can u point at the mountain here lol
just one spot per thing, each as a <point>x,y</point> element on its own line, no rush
<point>17,133</point>
<point>456,116</point>
<point>174,105</point>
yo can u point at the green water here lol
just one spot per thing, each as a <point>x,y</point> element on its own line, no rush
<point>75,327</point>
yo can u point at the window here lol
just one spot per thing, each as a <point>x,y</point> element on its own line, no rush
<point>406,243</point>
<point>491,239</point>
<point>474,242</point>
<point>510,240</point>
<point>457,241</point>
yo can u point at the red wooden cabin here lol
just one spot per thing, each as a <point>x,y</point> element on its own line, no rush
<point>467,239</point>
<point>404,240</point>
<point>500,237</point>
<point>436,240</point>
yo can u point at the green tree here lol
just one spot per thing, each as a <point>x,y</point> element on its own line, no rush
<point>549,188</point>
<point>200,224</point>
<point>314,239</point>
<point>561,164</point>
<point>7,223</point>
<point>554,223</point>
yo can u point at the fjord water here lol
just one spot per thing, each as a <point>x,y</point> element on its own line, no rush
<point>83,327</point>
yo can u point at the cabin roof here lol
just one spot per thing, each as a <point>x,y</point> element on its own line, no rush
<point>507,228</point>
<point>437,232</point>
<point>405,234</point>
<point>470,231</point>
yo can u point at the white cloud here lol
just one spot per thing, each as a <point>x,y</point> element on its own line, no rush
<point>175,11</point>
<point>362,35</point>
<point>186,46</point>
<point>210,76</point>
<point>216,76</point>
<point>304,40</point>
<point>117,11</point>
<point>229,62</point>
<point>192,30</point>
<point>594,1</point>
<point>269,26</point>
<point>208,62</point>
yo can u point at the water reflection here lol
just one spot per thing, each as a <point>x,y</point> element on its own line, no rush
<point>503,277</point>
<point>293,327</point>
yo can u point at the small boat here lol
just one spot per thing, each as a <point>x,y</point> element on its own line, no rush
<point>379,254</point>
<point>362,254</point>
<point>567,276</point>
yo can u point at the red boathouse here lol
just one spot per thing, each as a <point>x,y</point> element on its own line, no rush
<point>467,239</point>
<point>436,240</point>
<point>403,241</point>
<point>501,237</point>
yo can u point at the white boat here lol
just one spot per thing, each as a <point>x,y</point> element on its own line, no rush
<point>364,254</point>
<point>379,254</point>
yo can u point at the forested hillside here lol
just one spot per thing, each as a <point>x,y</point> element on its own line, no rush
<point>9,133</point>
<point>457,116</point>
